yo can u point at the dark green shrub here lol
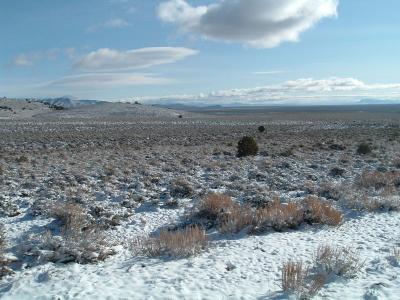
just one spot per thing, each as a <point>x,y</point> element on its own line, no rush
<point>364,149</point>
<point>247,146</point>
<point>261,129</point>
<point>337,172</point>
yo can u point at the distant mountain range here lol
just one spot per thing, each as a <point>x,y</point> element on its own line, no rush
<point>68,102</point>
<point>202,106</point>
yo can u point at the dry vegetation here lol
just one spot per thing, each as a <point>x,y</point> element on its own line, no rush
<point>78,239</point>
<point>4,261</point>
<point>338,261</point>
<point>177,243</point>
<point>294,276</point>
<point>330,261</point>
<point>231,217</point>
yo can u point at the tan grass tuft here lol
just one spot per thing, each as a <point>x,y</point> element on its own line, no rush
<point>294,275</point>
<point>322,212</point>
<point>339,261</point>
<point>178,243</point>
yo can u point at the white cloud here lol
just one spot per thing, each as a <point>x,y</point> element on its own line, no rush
<point>271,72</point>
<point>109,24</point>
<point>22,60</point>
<point>116,23</point>
<point>258,23</point>
<point>109,59</point>
<point>306,90</point>
<point>93,81</point>
<point>30,59</point>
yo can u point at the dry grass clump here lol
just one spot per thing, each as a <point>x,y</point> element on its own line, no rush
<point>279,216</point>
<point>394,256</point>
<point>339,261</point>
<point>222,211</point>
<point>330,262</point>
<point>298,279</point>
<point>213,206</point>
<point>313,210</point>
<point>179,243</point>
<point>232,217</point>
<point>321,212</point>
<point>395,253</point>
<point>377,179</point>
<point>294,276</point>
<point>238,218</point>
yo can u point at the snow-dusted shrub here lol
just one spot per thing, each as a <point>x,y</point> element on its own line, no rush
<point>364,202</point>
<point>22,159</point>
<point>83,246</point>
<point>377,179</point>
<point>173,243</point>
<point>79,239</point>
<point>396,163</point>
<point>247,146</point>
<point>180,188</point>
<point>8,208</point>
<point>321,212</point>
<point>338,261</point>
<point>71,216</point>
<point>2,239</point>
<point>4,262</point>
<point>330,190</point>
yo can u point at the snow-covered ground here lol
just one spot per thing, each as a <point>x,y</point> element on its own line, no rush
<point>133,177</point>
<point>234,267</point>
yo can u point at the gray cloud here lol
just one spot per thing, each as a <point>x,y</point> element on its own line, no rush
<point>109,59</point>
<point>258,23</point>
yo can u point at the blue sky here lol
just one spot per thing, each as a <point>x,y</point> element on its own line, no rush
<point>215,51</point>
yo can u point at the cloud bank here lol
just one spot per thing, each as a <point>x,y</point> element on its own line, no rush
<point>257,23</point>
<point>300,91</point>
<point>109,59</point>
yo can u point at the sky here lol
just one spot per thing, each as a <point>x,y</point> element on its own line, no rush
<point>201,52</point>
